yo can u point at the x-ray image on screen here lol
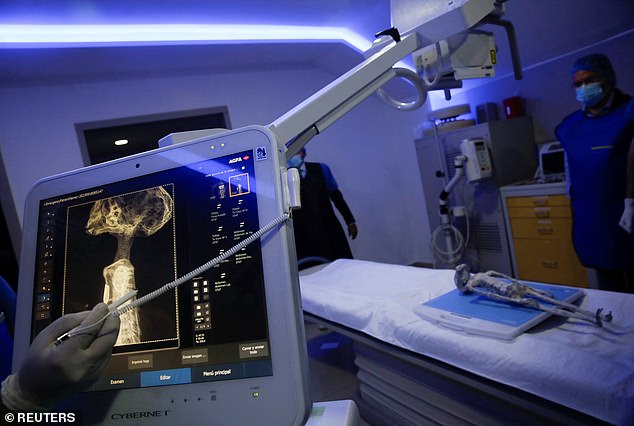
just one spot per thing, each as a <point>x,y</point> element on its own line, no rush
<point>123,243</point>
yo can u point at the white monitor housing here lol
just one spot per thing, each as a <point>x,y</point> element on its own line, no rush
<point>226,346</point>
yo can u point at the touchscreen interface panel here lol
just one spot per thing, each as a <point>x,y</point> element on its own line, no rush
<point>98,244</point>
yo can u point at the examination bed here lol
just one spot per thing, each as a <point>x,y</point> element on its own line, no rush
<point>562,371</point>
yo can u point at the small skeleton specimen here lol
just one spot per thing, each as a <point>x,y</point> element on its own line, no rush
<point>138,214</point>
<point>497,286</point>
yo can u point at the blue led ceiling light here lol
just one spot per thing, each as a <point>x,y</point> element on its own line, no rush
<point>42,36</point>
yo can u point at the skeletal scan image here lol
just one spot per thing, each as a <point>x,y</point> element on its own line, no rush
<point>127,217</point>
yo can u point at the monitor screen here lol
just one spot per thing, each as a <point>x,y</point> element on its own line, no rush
<point>101,243</point>
<point>170,212</point>
<point>553,162</point>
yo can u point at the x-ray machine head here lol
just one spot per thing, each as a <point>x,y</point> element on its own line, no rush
<point>417,25</point>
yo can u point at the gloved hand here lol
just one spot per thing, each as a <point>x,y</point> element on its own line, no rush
<point>51,372</point>
<point>627,216</point>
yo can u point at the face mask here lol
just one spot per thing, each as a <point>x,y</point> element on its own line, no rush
<point>589,94</point>
<point>295,162</point>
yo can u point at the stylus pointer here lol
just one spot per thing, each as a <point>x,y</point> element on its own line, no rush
<point>111,307</point>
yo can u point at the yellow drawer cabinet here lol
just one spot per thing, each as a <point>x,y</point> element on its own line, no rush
<point>541,233</point>
<point>549,261</point>
<point>538,201</point>
<point>540,212</point>
<point>554,229</point>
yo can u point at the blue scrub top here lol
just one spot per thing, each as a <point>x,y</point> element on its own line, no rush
<point>597,149</point>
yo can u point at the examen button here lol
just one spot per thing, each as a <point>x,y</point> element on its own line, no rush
<point>166,377</point>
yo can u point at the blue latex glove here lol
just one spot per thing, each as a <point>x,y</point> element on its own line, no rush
<point>50,372</point>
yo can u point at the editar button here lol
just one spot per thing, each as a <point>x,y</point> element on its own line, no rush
<point>177,376</point>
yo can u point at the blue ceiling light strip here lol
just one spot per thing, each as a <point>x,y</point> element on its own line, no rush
<point>43,36</point>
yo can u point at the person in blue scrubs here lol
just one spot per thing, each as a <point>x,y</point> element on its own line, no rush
<point>600,153</point>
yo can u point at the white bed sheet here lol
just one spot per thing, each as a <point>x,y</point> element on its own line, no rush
<point>571,362</point>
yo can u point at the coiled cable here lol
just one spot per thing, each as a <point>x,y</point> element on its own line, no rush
<point>173,284</point>
<point>213,262</point>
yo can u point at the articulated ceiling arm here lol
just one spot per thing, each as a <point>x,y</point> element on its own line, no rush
<point>422,24</point>
<point>515,51</point>
<point>319,111</point>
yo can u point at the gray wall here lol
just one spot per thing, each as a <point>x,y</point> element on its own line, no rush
<point>370,150</point>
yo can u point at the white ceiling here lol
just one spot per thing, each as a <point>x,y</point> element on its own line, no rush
<point>545,29</point>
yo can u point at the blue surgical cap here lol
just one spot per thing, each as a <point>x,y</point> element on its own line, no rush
<point>598,63</point>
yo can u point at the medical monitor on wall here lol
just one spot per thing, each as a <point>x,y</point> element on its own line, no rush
<point>226,346</point>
